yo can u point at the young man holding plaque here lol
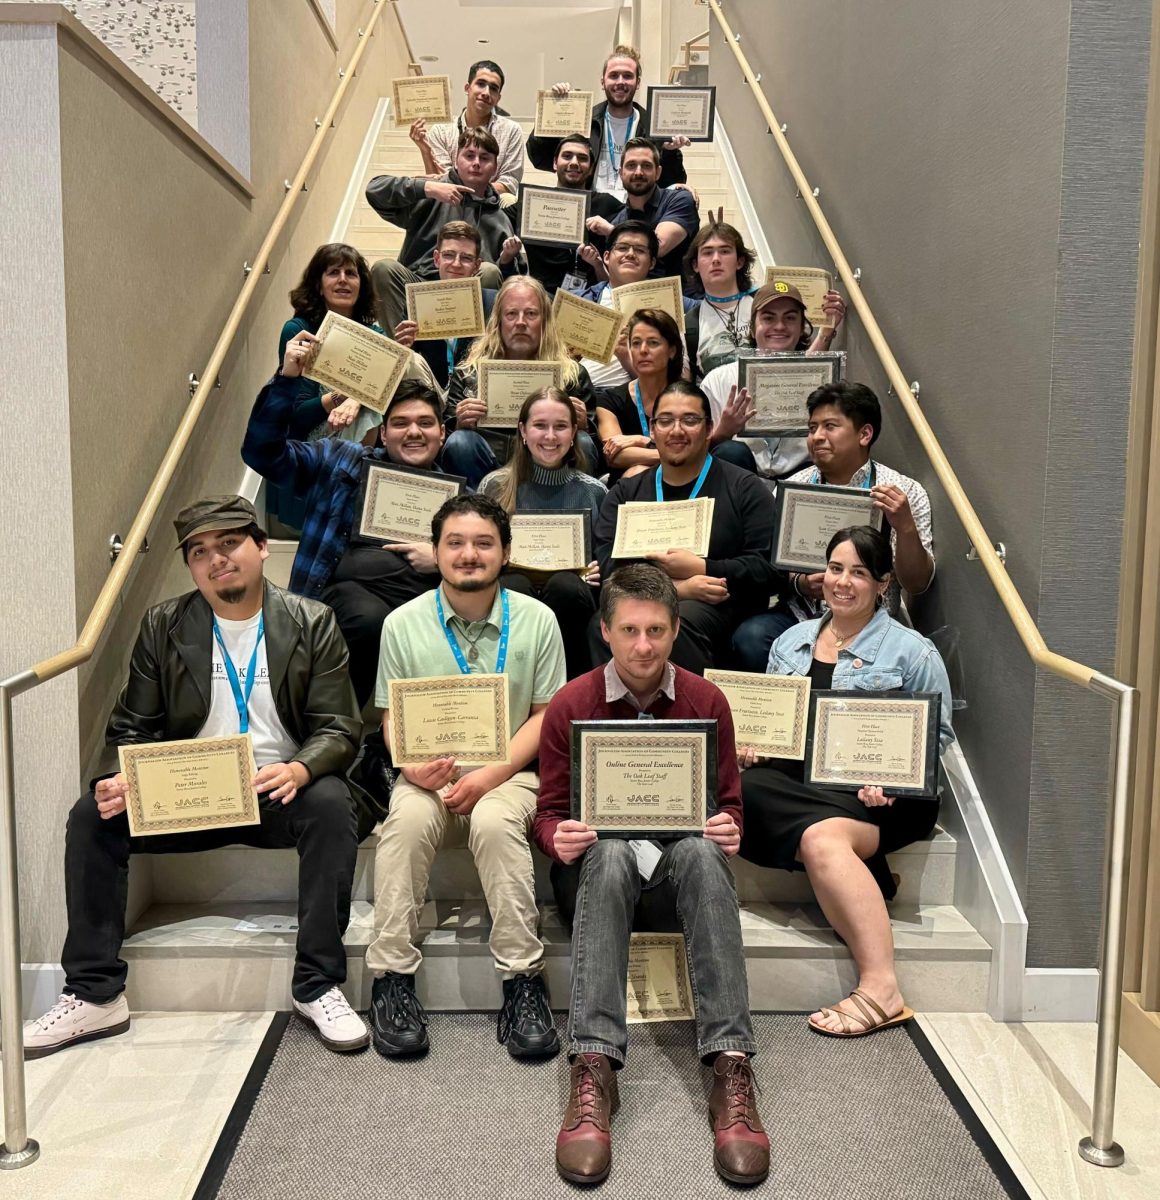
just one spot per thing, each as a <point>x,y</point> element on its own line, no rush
<point>612,878</point>
<point>469,625</point>
<point>423,206</point>
<point>735,578</point>
<point>235,656</point>
<point>844,421</point>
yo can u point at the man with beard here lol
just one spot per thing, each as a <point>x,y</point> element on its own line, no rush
<point>469,624</point>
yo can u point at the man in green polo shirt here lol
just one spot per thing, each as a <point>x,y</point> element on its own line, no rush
<point>469,624</point>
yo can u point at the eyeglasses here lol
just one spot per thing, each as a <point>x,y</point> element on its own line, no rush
<point>624,249</point>
<point>688,421</point>
<point>449,256</point>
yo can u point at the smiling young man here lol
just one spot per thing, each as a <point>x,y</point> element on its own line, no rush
<point>735,579</point>
<point>845,420</point>
<point>469,624</point>
<point>237,655</point>
<point>610,877</point>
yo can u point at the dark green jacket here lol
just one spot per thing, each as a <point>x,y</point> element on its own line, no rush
<point>167,694</point>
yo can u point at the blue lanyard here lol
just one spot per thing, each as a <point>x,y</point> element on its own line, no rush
<point>696,486</point>
<point>729,299</point>
<point>640,411</point>
<point>452,345</point>
<point>505,629</point>
<point>611,146</point>
<point>241,699</point>
<point>816,478</point>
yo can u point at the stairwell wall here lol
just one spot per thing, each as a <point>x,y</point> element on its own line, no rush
<point>982,164</point>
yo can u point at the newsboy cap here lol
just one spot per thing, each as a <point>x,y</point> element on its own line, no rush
<point>214,512</point>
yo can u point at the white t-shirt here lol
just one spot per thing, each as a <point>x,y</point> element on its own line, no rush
<point>722,331</point>
<point>605,375</point>
<point>607,175</point>
<point>271,741</point>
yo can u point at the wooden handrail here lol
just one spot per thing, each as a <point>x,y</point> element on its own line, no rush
<point>82,649</point>
<point>1028,631</point>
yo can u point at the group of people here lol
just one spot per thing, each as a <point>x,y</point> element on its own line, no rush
<point>306,670</point>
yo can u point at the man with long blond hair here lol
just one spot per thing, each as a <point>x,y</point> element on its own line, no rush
<point>521,328</point>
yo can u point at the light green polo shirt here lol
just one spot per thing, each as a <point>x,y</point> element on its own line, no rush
<point>413,646</point>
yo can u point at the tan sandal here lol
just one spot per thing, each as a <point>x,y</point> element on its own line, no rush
<point>871,1019</point>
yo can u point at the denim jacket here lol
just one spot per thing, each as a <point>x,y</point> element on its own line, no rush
<point>885,656</point>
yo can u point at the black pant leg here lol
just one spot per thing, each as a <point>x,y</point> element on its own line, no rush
<point>574,603</point>
<point>360,615</point>
<point>598,651</point>
<point>703,640</point>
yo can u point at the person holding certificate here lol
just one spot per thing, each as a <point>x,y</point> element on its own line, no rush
<point>520,329</point>
<point>611,877</point>
<point>735,578</point>
<point>844,420</point>
<point>236,656</point>
<point>840,839</point>
<point>546,474</point>
<point>469,625</point>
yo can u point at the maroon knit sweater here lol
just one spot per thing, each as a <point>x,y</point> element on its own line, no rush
<point>583,700</point>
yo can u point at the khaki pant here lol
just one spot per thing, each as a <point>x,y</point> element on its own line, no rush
<point>496,831</point>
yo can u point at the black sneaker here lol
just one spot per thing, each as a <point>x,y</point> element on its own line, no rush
<point>398,1021</point>
<point>525,1023</point>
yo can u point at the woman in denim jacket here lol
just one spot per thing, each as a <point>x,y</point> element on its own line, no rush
<point>841,839</point>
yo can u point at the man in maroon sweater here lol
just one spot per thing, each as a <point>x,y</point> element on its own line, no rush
<point>639,620</point>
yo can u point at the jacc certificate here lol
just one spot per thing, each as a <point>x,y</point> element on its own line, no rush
<point>421,96</point>
<point>780,385</point>
<point>586,327</point>
<point>553,216</point>
<point>551,541</point>
<point>664,294</point>
<point>446,308</point>
<point>466,716</point>
<point>558,116</point>
<point>644,778</point>
<point>504,384</point>
<point>396,503</point>
<point>812,282</point>
<point>645,527</point>
<point>676,111</point>
<point>658,979</point>
<point>359,363</point>
<point>859,739</point>
<point>198,783</point>
<point>770,712</point>
<point>808,515</point>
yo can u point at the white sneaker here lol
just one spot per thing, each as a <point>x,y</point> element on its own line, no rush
<point>335,1022</point>
<point>71,1020</point>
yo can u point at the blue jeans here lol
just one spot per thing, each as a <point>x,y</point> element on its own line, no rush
<point>469,454</point>
<point>755,635</point>
<point>692,873</point>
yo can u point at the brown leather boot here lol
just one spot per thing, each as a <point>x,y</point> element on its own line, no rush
<point>584,1144</point>
<point>740,1144</point>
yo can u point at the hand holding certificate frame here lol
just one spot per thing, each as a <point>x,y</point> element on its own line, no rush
<point>587,327</point>
<point>677,111</point>
<point>396,503</point>
<point>664,294</point>
<point>558,116</point>
<point>185,786</point>
<point>446,308</point>
<point>642,779</point>
<point>359,363</point>
<point>465,717</point>
<point>812,282</point>
<point>859,739</point>
<point>645,527</point>
<point>780,384</point>
<point>421,97</point>
<point>770,712</point>
<point>553,216</point>
<point>807,515</point>
<point>504,384</point>
<point>546,542</point>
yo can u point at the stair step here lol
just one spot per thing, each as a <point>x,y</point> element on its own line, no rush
<point>189,957</point>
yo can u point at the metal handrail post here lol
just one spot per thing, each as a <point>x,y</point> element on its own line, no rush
<point>1099,1148</point>
<point>19,1149</point>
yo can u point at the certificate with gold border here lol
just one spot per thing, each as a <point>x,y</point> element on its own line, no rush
<point>560,540</point>
<point>504,384</point>
<point>446,308</point>
<point>643,779</point>
<point>678,111</point>
<point>587,327</point>
<point>421,97</point>
<point>645,527</point>
<point>807,515</point>
<point>552,216</point>
<point>189,785</point>
<point>780,385</point>
<point>659,988</point>
<point>859,739</point>
<point>664,294</point>
<point>559,116</point>
<point>812,282</point>
<point>770,712</point>
<point>464,716</point>
<point>396,503</point>
<point>359,363</point>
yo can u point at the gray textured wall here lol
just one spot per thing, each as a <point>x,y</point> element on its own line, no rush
<point>981,164</point>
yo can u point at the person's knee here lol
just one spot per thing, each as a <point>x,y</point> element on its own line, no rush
<point>515,582</point>
<point>820,843</point>
<point>327,804</point>
<point>566,588</point>
<point>495,819</point>
<point>84,818</point>
<point>490,276</point>
<point>610,864</point>
<point>737,453</point>
<point>698,858</point>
